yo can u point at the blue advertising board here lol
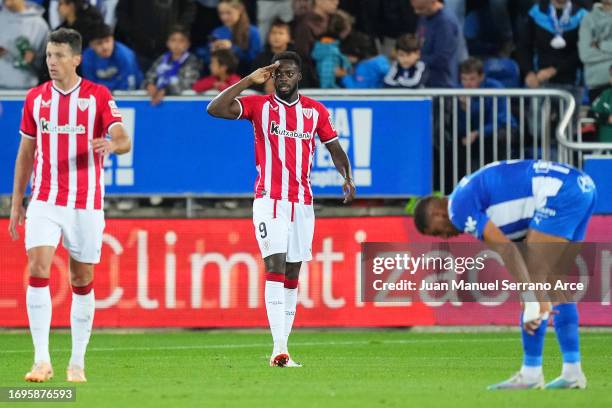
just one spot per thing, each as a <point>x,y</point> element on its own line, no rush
<point>179,149</point>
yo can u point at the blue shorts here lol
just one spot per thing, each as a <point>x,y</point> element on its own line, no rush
<point>567,213</point>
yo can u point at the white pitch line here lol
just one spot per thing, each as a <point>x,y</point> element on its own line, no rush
<point>258,345</point>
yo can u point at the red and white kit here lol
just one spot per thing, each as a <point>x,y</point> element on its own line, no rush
<point>284,151</point>
<point>68,176</point>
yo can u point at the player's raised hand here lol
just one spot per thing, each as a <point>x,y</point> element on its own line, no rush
<point>261,75</point>
<point>348,188</point>
<point>17,217</point>
<point>102,146</point>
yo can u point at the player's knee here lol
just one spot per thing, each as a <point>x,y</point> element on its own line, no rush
<point>275,263</point>
<point>81,276</point>
<point>293,270</point>
<point>38,269</point>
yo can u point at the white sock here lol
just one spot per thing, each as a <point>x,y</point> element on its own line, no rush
<point>81,322</point>
<point>571,371</point>
<point>530,373</point>
<point>38,302</point>
<point>290,306</point>
<point>275,307</point>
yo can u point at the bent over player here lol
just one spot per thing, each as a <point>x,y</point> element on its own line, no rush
<point>549,205</point>
<point>63,143</point>
<point>285,124</point>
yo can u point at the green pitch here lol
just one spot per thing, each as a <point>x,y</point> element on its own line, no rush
<point>341,369</point>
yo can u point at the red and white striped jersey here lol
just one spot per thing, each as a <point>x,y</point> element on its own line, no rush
<point>67,172</point>
<point>285,143</point>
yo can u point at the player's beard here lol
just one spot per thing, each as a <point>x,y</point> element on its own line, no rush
<point>287,94</point>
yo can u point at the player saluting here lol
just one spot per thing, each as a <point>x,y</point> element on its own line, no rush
<point>285,125</point>
<point>549,204</point>
<point>63,143</point>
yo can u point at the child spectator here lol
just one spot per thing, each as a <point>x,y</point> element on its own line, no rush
<point>602,107</point>
<point>326,52</point>
<point>369,69</point>
<point>279,40</point>
<point>223,65</point>
<point>407,71</point>
<point>110,63</point>
<point>236,34</point>
<point>176,70</point>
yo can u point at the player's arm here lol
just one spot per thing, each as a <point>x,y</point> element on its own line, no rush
<point>343,165</point>
<point>516,265</point>
<point>225,105</point>
<point>23,171</point>
<point>119,143</point>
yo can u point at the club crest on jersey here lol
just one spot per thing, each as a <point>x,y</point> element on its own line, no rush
<point>83,103</point>
<point>275,129</point>
<point>48,127</point>
<point>307,113</point>
<point>114,109</point>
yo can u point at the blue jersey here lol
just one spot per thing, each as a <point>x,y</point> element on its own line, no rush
<point>118,72</point>
<point>518,195</point>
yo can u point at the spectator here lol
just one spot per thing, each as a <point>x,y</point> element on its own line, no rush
<point>407,71</point>
<point>301,7</point>
<point>602,108</point>
<point>498,12</point>
<point>473,77</point>
<point>22,44</point>
<point>206,17</point>
<point>110,63</point>
<point>176,70</point>
<point>595,47</point>
<point>551,37</point>
<point>236,34</point>
<point>440,36</point>
<point>326,53</point>
<point>223,66</point>
<point>279,40</point>
<point>369,69</point>
<point>313,25</point>
<point>271,10</point>
<point>80,16</point>
<point>143,25</point>
<point>105,7</point>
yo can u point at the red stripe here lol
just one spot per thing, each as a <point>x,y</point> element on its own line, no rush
<point>82,160</point>
<point>275,277</point>
<point>274,215</point>
<point>38,282</point>
<point>98,194</point>
<point>277,173</point>
<point>291,283</point>
<point>260,153</point>
<point>82,290</point>
<point>45,177</point>
<point>63,169</point>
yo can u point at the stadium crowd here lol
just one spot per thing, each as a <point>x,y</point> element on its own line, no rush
<point>167,47</point>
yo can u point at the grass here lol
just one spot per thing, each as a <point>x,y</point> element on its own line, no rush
<point>341,369</point>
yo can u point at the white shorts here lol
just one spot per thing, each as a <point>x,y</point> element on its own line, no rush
<point>282,227</point>
<point>81,229</point>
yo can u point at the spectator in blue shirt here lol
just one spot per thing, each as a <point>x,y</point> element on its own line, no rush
<point>407,71</point>
<point>110,63</point>
<point>236,34</point>
<point>440,36</point>
<point>369,69</point>
<point>326,52</point>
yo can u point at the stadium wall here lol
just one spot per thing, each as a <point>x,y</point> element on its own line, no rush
<point>208,273</point>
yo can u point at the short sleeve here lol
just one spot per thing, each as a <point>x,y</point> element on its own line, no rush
<point>27,128</point>
<point>465,211</point>
<point>325,128</point>
<point>248,105</point>
<point>108,109</point>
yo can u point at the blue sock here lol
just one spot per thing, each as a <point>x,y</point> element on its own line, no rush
<point>566,326</point>
<point>533,345</point>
